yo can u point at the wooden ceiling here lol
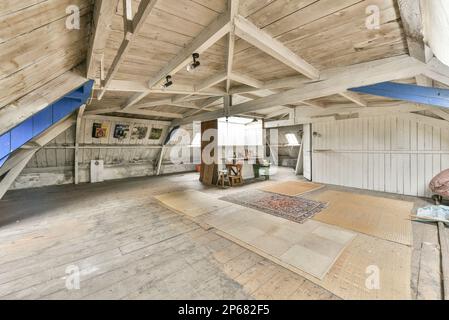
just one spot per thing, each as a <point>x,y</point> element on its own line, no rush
<point>35,48</point>
<point>325,33</point>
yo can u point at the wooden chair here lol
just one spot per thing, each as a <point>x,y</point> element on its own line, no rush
<point>235,174</point>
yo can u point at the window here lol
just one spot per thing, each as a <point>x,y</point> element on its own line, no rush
<point>240,132</point>
<point>292,140</point>
<point>196,142</point>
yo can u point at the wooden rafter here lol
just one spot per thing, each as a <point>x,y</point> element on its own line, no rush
<point>208,37</point>
<point>204,106</point>
<point>412,23</point>
<point>244,79</point>
<point>15,165</point>
<point>233,7</point>
<point>313,104</point>
<point>150,113</point>
<point>15,113</point>
<point>103,14</point>
<point>332,82</point>
<point>438,71</point>
<point>186,90</point>
<point>211,81</point>
<point>263,41</point>
<point>144,10</point>
<point>289,82</point>
<point>354,97</point>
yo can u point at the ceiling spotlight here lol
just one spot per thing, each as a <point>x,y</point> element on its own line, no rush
<point>168,82</point>
<point>195,64</point>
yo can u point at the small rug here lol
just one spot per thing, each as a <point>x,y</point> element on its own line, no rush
<point>293,188</point>
<point>384,218</point>
<point>295,209</point>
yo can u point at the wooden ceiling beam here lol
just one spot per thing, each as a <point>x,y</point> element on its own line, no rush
<point>313,104</point>
<point>211,81</point>
<point>332,82</point>
<point>289,82</point>
<point>186,90</point>
<point>412,23</point>
<point>273,47</point>
<point>15,113</point>
<point>144,10</point>
<point>233,7</point>
<point>208,37</point>
<point>102,20</point>
<point>437,71</point>
<point>354,97</point>
<point>204,106</point>
<point>411,17</point>
<point>244,79</point>
<point>150,113</point>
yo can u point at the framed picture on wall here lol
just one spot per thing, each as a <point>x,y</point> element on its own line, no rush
<point>139,132</point>
<point>155,133</point>
<point>100,130</point>
<point>121,131</point>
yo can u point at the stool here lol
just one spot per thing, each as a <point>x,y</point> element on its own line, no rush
<point>222,177</point>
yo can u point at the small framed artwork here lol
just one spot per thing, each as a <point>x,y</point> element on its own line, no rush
<point>100,130</point>
<point>155,133</point>
<point>121,131</point>
<point>139,133</point>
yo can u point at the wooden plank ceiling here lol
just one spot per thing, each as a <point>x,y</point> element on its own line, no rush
<point>35,47</point>
<point>325,33</point>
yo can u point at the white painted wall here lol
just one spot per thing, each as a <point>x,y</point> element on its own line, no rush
<point>396,154</point>
<point>436,27</point>
<point>54,164</point>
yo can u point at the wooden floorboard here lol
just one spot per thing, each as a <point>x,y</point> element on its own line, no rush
<point>127,246</point>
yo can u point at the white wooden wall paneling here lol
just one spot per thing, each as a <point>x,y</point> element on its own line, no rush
<point>389,154</point>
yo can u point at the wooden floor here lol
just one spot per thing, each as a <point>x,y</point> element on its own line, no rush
<point>127,246</point>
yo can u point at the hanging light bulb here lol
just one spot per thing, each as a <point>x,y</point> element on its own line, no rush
<point>191,67</point>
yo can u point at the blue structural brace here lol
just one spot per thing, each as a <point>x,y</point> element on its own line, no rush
<point>41,121</point>
<point>407,92</point>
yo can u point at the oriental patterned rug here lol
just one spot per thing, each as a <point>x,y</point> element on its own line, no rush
<point>295,209</point>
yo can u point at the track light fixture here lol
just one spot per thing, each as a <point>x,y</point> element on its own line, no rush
<point>195,64</point>
<point>168,82</point>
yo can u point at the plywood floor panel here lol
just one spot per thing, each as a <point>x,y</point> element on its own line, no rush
<point>192,203</point>
<point>311,247</point>
<point>379,217</point>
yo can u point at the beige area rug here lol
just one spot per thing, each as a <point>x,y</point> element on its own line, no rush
<point>379,217</point>
<point>192,203</point>
<point>293,188</point>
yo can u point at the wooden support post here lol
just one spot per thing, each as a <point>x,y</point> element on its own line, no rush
<point>161,156</point>
<point>444,247</point>
<point>160,160</point>
<point>14,165</point>
<point>299,161</point>
<point>12,175</point>
<point>79,120</point>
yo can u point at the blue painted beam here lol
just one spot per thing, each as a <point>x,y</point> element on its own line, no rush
<point>407,92</point>
<point>43,120</point>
